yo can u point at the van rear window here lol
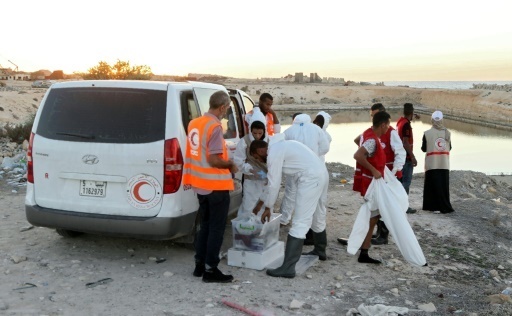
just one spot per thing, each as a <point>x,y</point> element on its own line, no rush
<point>104,115</point>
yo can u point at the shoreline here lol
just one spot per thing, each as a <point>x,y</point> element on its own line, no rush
<point>419,109</point>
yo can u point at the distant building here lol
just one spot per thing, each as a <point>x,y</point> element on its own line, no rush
<point>8,74</point>
<point>299,77</point>
<point>5,73</point>
<point>314,78</point>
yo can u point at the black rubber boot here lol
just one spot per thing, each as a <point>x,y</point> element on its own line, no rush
<point>383,237</point>
<point>309,241</point>
<point>291,257</point>
<point>379,229</point>
<point>320,245</point>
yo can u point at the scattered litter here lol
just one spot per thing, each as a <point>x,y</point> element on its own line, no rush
<point>25,286</point>
<point>160,260</point>
<point>25,228</point>
<point>100,282</point>
<point>240,308</point>
<point>247,282</point>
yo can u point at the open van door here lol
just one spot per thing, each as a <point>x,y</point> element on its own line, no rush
<point>243,104</point>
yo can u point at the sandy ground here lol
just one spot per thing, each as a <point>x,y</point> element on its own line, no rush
<point>469,256</point>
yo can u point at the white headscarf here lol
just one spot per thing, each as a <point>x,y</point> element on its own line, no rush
<point>437,120</point>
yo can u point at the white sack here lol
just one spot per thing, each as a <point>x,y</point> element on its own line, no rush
<point>378,310</point>
<point>391,199</point>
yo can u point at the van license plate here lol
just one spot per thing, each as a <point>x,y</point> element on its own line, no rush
<point>93,188</point>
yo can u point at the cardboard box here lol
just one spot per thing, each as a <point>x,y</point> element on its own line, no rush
<point>256,260</point>
<point>253,235</point>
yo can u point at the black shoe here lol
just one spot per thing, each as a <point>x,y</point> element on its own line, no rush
<point>367,259</point>
<point>214,275</point>
<point>411,211</point>
<point>199,270</point>
<point>343,241</point>
<point>380,240</point>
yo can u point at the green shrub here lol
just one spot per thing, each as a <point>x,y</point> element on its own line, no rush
<point>19,132</point>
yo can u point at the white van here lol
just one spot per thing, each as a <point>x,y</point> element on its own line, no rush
<point>106,157</point>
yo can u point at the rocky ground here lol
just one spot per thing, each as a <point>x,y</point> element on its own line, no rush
<point>468,252</point>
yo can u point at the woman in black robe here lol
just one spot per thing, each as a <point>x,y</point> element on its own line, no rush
<point>437,144</point>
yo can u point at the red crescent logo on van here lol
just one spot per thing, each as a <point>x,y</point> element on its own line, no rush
<point>144,191</point>
<point>136,191</point>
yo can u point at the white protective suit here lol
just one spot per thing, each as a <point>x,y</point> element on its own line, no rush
<point>253,190</point>
<point>292,158</point>
<point>327,119</point>
<point>309,134</point>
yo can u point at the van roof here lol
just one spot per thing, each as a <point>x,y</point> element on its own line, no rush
<point>135,84</point>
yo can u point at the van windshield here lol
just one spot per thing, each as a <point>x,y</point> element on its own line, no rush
<point>104,115</point>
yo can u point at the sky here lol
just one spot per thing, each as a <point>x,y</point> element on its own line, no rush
<point>356,40</point>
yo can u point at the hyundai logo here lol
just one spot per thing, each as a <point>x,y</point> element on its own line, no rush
<point>90,159</point>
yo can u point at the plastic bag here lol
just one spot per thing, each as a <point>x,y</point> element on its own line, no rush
<point>250,234</point>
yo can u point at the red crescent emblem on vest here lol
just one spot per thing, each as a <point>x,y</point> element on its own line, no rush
<point>193,138</point>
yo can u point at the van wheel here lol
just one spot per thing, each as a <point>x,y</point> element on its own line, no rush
<point>68,233</point>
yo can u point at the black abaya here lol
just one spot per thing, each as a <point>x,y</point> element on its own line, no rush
<point>436,192</point>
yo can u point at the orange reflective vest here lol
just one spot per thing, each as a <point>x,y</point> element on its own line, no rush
<point>197,171</point>
<point>270,124</point>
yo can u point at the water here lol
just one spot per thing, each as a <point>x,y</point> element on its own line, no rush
<point>441,84</point>
<point>475,148</point>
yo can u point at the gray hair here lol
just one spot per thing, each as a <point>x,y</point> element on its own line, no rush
<point>219,99</point>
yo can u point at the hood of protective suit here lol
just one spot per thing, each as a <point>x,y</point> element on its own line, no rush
<point>275,139</point>
<point>302,118</point>
<point>257,115</point>
<point>327,119</point>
